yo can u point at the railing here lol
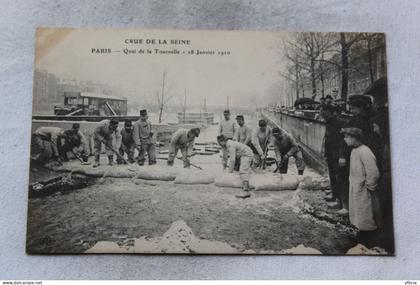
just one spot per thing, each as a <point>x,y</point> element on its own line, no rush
<point>84,118</point>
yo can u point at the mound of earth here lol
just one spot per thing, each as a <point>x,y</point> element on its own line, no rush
<point>179,239</point>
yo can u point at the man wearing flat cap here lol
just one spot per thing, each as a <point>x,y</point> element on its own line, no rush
<point>144,140</point>
<point>284,147</point>
<point>362,113</point>
<point>360,119</point>
<point>363,178</point>
<point>127,143</point>
<point>227,127</point>
<point>182,140</point>
<point>243,132</point>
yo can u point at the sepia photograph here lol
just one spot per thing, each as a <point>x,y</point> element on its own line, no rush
<point>209,142</point>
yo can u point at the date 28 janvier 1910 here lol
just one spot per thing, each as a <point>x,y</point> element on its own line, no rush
<point>161,51</point>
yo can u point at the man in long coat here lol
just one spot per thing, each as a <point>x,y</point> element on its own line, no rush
<point>363,182</point>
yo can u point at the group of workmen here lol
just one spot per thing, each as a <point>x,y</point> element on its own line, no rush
<point>55,143</point>
<point>245,148</point>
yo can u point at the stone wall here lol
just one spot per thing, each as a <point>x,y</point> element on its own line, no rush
<point>308,132</point>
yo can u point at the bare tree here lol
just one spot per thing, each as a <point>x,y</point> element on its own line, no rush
<point>294,72</point>
<point>163,98</point>
<point>315,58</point>
<point>369,42</point>
<point>309,51</point>
<point>346,41</point>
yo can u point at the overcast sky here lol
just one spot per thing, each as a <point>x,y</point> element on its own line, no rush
<point>249,71</point>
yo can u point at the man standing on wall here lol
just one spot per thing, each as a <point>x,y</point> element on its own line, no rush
<point>332,143</point>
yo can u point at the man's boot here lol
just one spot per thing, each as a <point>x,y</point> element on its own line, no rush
<point>245,191</point>
<point>97,157</point>
<point>343,212</point>
<point>329,197</point>
<point>110,160</point>
<point>334,205</point>
<point>300,172</point>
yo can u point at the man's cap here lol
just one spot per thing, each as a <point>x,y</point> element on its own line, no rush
<point>114,121</point>
<point>128,123</point>
<point>143,112</point>
<point>85,157</point>
<point>195,132</point>
<point>262,123</point>
<point>358,103</point>
<point>353,131</point>
<point>240,117</point>
<point>360,99</point>
<point>76,126</point>
<point>276,131</point>
<point>226,112</point>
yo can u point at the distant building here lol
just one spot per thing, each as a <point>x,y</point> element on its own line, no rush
<point>195,118</point>
<point>49,90</point>
<point>45,91</point>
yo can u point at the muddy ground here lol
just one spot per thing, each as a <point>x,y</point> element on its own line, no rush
<point>119,210</point>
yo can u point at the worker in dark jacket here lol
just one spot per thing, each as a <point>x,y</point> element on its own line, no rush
<point>284,147</point>
<point>362,119</point>
<point>259,143</point>
<point>333,141</point>
<point>127,143</point>
<point>76,143</point>
<point>46,144</point>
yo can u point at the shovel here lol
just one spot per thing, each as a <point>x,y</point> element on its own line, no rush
<point>116,152</point>
<point>81,160</point>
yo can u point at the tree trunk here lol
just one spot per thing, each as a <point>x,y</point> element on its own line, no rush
<point>321,69</point>
<point>313,79</point>
<point>371,72</point>
<point>162,98</point>
<point>160,114</point>
<point>344,67</point>
<point>302,84</point>
<point>185,105</point>
<point>297,80</point>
